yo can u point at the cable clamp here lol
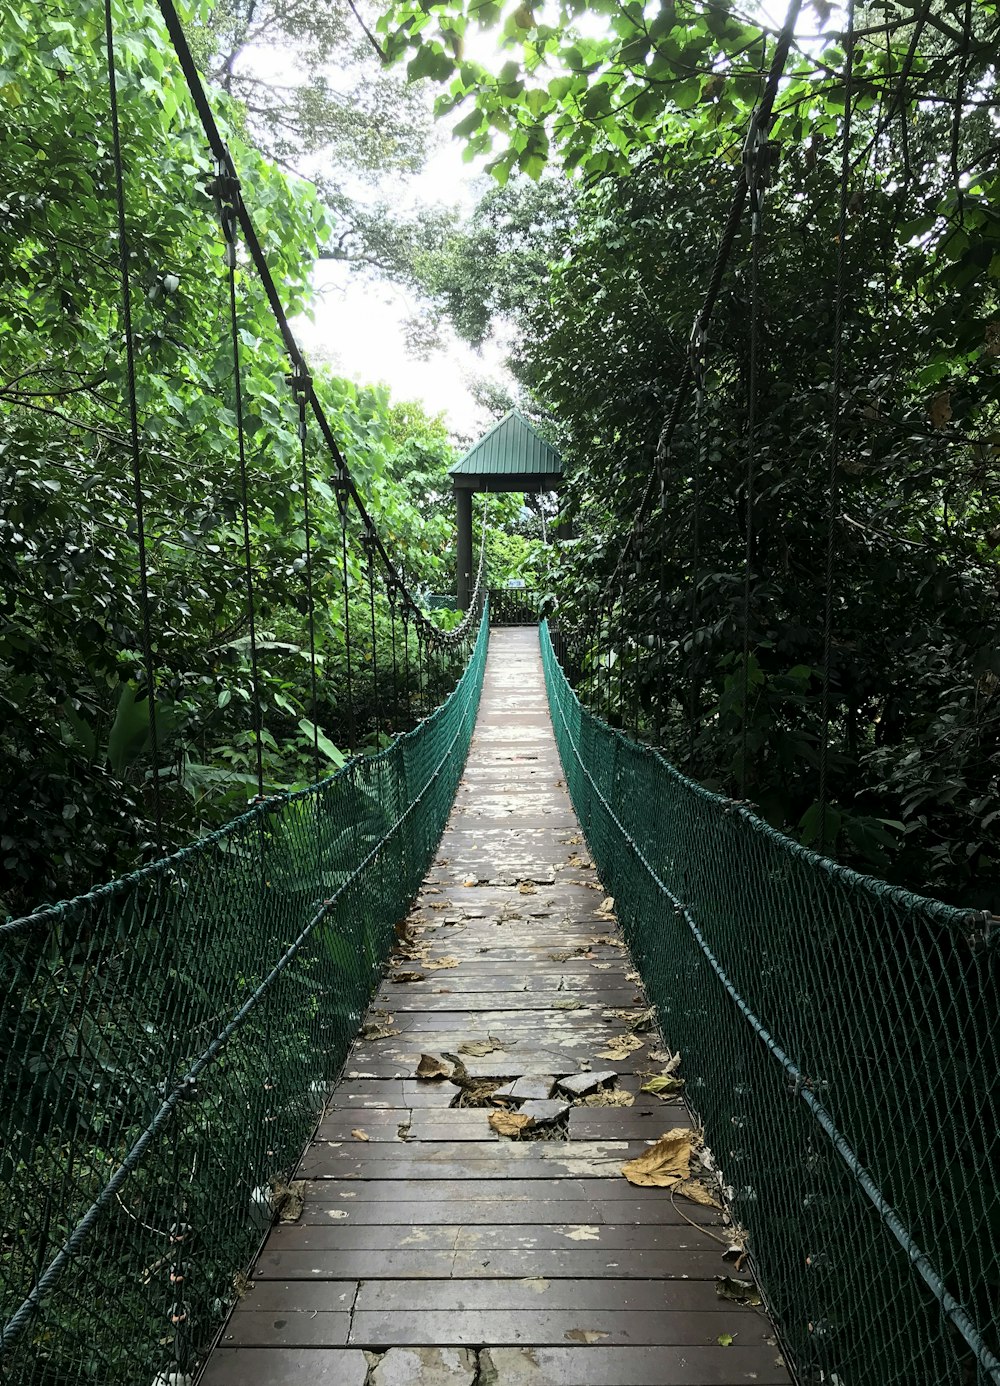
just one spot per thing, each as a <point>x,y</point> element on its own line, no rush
<point>984,929</point>
<point>224,189</point>
<point>760,157</point>
<point>697,348</point>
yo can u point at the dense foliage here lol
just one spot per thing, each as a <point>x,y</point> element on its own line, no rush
<point>652,110</point>
<point>74,727</point>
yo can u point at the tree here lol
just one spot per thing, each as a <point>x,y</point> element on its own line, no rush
<point>75,740</point>
<point>649,114</point>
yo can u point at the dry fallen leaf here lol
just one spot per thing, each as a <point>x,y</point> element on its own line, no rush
<point>435,965</point>
<point>430,1067</point>
<point>407,977</point>
<point>739,1291</point>
<point>480,1048</point>
<point>665,1164</point>
<point>697,1193</point>
<point>621,1047</point>
<point>608,1097</point>
<point>510,1123</point>
<point>526,888</point>
<point>288,1200</point>
<point>663,1085</point>
<point>361,1135</point>
<point>378,1026</point>
<point>585,1335</point>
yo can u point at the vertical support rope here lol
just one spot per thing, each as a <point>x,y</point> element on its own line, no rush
<point>300,387</point>
<point>369,551</point>
<point>345,583</point>
<point>133,415</point>
<point>832,479</point>
<point>755,156</point>
<point>405,616</point>
<point>395,656</point>
<point>225,194</point>
<point>699,339</point>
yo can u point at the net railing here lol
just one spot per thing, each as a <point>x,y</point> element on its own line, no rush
<point>167,1044</point>
<point>841,1046</point>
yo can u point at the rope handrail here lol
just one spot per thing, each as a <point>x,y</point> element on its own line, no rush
<point>227,187</point>
<point>304,892</point>
<point>779,910</point>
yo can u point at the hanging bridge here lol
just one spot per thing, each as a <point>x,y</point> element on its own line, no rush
<point>506,1053</point>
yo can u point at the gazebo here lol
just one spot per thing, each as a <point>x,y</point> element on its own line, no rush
<point>512,456</point>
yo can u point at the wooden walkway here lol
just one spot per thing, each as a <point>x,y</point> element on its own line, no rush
<point>432,1250</point>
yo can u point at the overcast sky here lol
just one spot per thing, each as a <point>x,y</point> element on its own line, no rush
<point>359,323</point>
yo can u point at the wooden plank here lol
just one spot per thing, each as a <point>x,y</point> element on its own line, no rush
<point>291,1328</point>
<point>584,1263</point>
<point>429,1211</point>
<point>638,1366</point>
<point>286,1367</point>
<point>544,1236</point>
<point>435,1250</point>
<point>418,1187</point>
<point>689,1296</point>
<point>538,1327</point>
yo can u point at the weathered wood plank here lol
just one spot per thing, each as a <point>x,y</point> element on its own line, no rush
<point>437,1251</point>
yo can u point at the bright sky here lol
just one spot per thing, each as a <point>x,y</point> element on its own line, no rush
<point>358,326</point>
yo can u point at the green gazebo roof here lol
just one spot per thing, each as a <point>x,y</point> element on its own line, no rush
<point>511,448</point>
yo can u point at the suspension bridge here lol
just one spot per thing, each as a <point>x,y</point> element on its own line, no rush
<point>506,1053</point>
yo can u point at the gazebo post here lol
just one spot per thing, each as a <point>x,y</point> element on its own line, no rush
<point>512,456</point>
<point>463,502</point>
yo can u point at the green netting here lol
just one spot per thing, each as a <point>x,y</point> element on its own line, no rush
<point>168,1041</point>
<point>840,1044</point>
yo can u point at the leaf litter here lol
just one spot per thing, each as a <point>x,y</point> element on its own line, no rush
<point>431,1067</point>
<point>620,1047</point>
<point>510,1123</point>
<point>667,1165</point>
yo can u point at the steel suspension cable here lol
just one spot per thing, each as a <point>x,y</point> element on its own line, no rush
<point>124,255</point>
<point>345,586</point>
<point>220,152</point>
<point>727,240</point>
<point>754,156</point>
<point>835,426</point>
<point>299,391</point>
<point>225,193</point>
<point>370,563</point>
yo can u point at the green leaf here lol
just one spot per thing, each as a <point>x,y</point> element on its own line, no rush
<point>325,745</point>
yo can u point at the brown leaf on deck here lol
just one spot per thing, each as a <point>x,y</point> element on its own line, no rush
<point>665,1164</point>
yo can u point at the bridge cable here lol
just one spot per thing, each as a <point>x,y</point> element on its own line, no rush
<point>370,563</point>
<point>696,364</point>
<point>345,587</point>
<point>752,154</point>
<point>299,388</point>
<point>761,120</point>
<point>220,152</point>
<point>835,424</point>
<point>224,192</point>
<point>133,414</point>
